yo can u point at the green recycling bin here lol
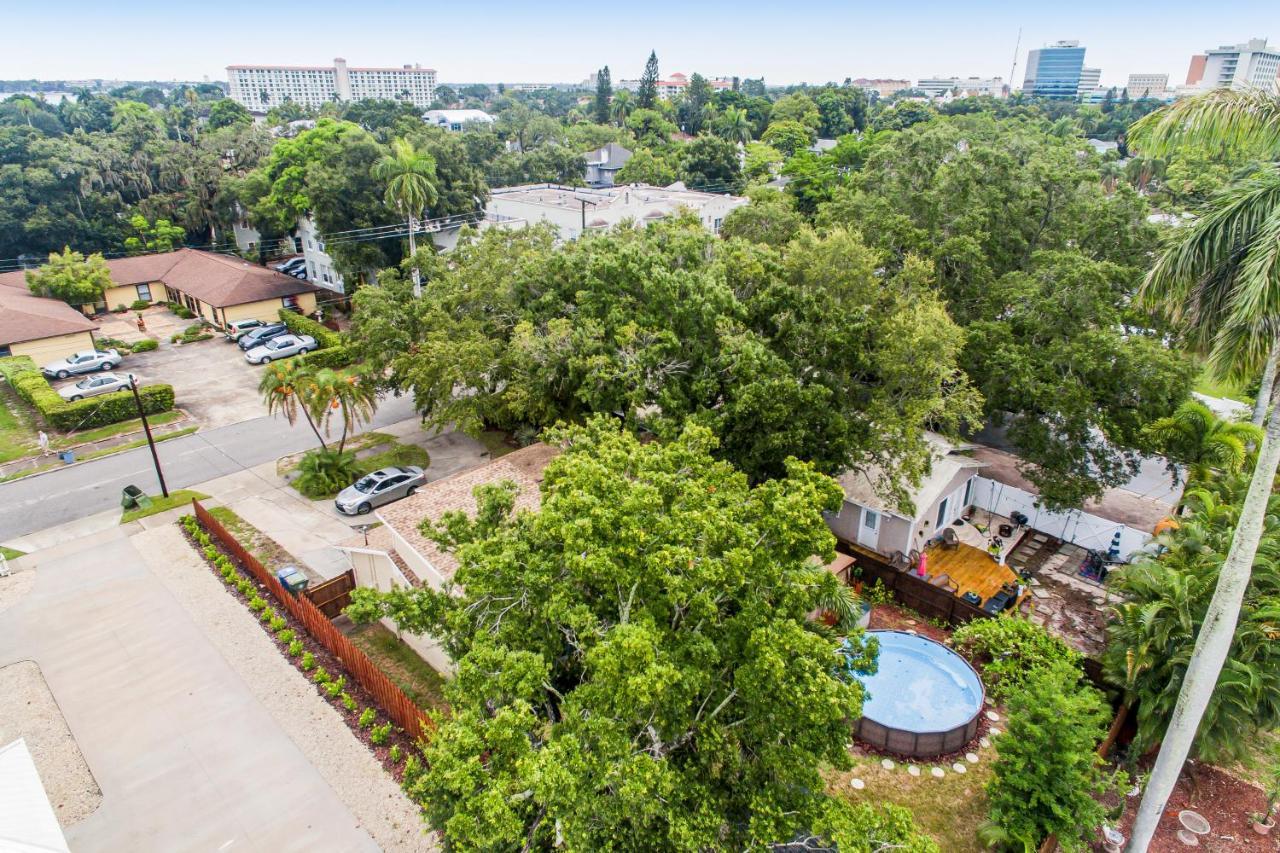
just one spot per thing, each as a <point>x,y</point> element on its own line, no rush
<point>131,497</point>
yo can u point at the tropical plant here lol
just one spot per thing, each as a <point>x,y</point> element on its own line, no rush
<point>1010,650</point>
<point>71,277</point>
<point>734,125</point>
<point>622,106</point>
<point>347,396</point>
<point>308,661</point>
<point>323,473</point>
<point>1195,438</point>
<point>1221,279</point>
<point>1048,773</point>
<point>410,178</point>
<point>367,718</point>
<point>281,388</point>
<point>1166,601</point>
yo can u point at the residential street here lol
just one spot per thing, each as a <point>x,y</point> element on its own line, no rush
<point>36,503</point>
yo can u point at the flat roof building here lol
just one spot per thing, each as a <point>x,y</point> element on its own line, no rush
<point>1055,71</point>
<point>1251,64</point>
<point>261,87</point>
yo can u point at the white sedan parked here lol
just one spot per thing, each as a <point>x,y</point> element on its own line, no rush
<point>92,386</point>
<point>281,347</point>
<point>82,362</point>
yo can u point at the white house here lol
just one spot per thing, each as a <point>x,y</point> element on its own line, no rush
<point>457,119</point>
<point>965,477</point>
<point>575,210</point>
<point>397,555</point>
<point>320,267</point>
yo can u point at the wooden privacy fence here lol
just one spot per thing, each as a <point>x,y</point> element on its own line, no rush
<point>916,593</point>
<point>389,697</point>
<point>332,596</point>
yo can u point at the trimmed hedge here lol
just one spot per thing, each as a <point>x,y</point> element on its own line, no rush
<point>332,358</point>
<point>300,325</point>
<point>29,383</point>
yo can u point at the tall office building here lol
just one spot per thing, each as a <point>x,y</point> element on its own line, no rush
<point>1090,79</point>
<point>1055,71</point>
<point>1147,85</point>
<point>1238,66</point>
<point>965,87</point>
<point>261,87</point>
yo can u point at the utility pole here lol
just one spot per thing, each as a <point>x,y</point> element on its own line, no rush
<point>155,457</point>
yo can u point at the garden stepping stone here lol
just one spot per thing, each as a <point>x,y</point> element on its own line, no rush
<point>994,732</point>
<point>938,772</point>
<point>888,764</point>
<point>959,768</point>
<point>913,770</point>
<point>993,716</point>
<point>857,784</point>
<point>985,743</point>
<point>971,757</point>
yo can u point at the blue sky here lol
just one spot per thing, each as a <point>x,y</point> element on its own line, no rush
<point>564,40</point>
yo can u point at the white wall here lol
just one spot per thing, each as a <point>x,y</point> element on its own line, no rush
<point>320,268</point>
<point>1076,526</point>
<point>375,570</point>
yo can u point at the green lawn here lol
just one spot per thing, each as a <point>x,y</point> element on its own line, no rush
<point>115,429</point>
<point>1207,385</point>
<point>182,497</point>
<point>266,549</point>
<point>495,441</point>
<point>10,553</point>
<point>17,435</point>
<point>140,442</point>
<point>401,664</point>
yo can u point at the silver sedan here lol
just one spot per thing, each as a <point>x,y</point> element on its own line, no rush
<point>83,362</point>
<point>380,487</point>
<point>281,347</point>
<point>92,386</point>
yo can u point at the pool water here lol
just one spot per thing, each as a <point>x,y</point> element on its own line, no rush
<point>920,685</point>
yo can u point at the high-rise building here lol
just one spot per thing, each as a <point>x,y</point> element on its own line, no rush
<point>882,87</point>
<point>966,87</point>
<point>1195,72</point>
<point>1240,65</point>
<point>1055,71</point>
<point>1090,79</point>
<point>261,87</point>
<point>1147,85</point>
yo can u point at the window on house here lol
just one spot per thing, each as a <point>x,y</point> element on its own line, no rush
<point>144,291</point>
<point>870,519</point>
<point>968,492</point>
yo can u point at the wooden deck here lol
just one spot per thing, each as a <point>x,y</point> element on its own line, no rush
<point>969,568</point>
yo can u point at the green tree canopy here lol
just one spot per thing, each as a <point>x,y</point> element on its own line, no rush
<point>71,277</point>
<point>649,672</point>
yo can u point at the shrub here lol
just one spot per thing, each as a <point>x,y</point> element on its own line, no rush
<point>367,716</point>
<point>277,622</point>
<point>395,753</point>
<point>378,734</point>
<point>324,473</point>
<point>295,648</point>
<point>412,770</point>
<point>1009,650</point>
<point>348,702</point>
<point>140,305</point>
<point>266,616</point>
<point>182,311</point>
<point>308,660</point>
<point>332,357</point>
<point>121,308</point>
<point>333,688</point>
<point>285,635</point>
<point>27,381</point>
<point>300,325</point>
<point>245,586</point>
<point>145,345</point>
<point>1048,771</point>
<point>257,604</point>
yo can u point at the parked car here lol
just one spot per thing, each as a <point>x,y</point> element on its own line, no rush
<point>235,331</point>
<point>92,386</point>
<point>82,362</point>
<point>281,346</point>
<point>262,334</point>
<point>291,264</point>
<point>382,486</point>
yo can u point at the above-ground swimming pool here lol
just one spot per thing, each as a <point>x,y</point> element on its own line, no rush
<point>924,699</point>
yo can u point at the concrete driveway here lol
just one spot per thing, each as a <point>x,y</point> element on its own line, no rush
<point>186,755</point>
<point>210,379</point>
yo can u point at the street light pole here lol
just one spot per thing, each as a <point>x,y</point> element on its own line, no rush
<point>155,457</point>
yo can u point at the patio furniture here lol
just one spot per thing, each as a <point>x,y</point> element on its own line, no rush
<point>971,598</point>
<point>1002,600</point>
<point>950,540</point>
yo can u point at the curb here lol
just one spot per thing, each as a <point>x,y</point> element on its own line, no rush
<point>80,462</point>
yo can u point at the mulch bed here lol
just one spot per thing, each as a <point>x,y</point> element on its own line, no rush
<point>323,658</point>
<point>1221,799</point>
<point>891,617</point>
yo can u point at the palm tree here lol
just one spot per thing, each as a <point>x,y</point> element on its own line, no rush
<point>410,177</point>
<point>1193,436</point>
<point>735,125</point>
<point>1222,281</point>
<point>283,387</point>
<point>345,395</point>
<point>622,106</point>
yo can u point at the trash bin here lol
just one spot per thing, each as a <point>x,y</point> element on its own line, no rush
<point>67,456</point>
<point>292,580</point>
<point>131,497</point>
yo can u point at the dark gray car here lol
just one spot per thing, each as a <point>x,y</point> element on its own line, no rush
<point>259,336</point>
<point>380,487</point>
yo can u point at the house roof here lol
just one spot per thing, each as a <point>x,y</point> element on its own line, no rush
<point>522,467</point>
<point>609,156</point>
<point>860,486</point>
<point>27,317</point>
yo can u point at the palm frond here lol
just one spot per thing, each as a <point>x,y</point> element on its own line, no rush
<point>1247,119</point>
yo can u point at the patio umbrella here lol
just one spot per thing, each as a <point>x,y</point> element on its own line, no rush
<point>924,562</point>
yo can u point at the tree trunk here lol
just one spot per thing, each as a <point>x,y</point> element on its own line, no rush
<point>1213,643</point>
<point>312,424</point>
<point>413,250</point>
<point>1268,384</point>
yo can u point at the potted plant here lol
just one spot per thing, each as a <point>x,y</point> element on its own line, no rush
<point>1264,822</point>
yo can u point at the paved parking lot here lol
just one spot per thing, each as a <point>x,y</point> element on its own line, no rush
<point>210,379</point>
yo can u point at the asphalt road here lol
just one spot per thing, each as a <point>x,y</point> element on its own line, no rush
<point>66,494</point>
